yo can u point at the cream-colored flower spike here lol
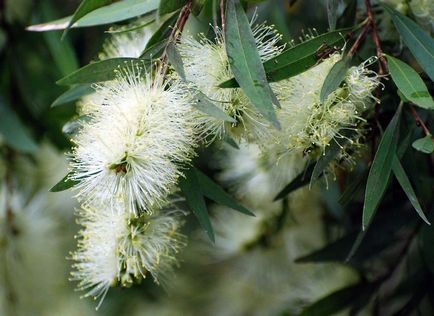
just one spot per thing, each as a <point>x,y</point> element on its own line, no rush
<point>206,65</point>
<point>118,247</point>
<point>311,126</point>
<point>130,149</point>
<point>128,44</point>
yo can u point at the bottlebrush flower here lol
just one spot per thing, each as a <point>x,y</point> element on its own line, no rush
<point>130,149</point>
<point>206,65</point>
<point>311,126</point>
<point>118,247</point>
<point>128,44</point>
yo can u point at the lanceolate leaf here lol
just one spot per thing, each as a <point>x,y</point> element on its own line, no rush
<point>379,173</point>
<point>168,6</point>
<point>417,40</point>
<point>191,189</point>
<point>116,12</point>
<point>84,8</point>
<point>13,132</point>
<point>425,144</point>
<point>298,58</point>
<point>100,71</point>
<point>215,192</point>
<point>245,61</point>
<point>64,184</point>
<point>301,180</point>
<point>175,60</point>
<point>405,183</point>
<point>334,78</point>
<point>332,12</point>
<point>206,106</point>
<point>74,93</point>
<point>163,32</point>
<point>410,84</point>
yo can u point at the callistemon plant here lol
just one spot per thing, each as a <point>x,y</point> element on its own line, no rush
<point>199,153</point>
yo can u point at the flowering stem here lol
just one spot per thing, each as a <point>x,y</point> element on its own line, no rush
<point>376,38</point>
<point>176,32</point>
<point>222,14</point>
<point>418,119</point>
<point>359,40</point>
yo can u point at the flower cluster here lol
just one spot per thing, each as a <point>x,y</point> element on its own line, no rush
<point>126,160</point>
<point>142,127</point>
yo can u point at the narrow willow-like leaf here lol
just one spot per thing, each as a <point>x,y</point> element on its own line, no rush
<point>163,32</point>
<point>297,59</point>
<point>155,51</point>
<point>191,189</point>
<point>332,12</point>
<point>330,154</point>
<point>410,83</point>
<point>339,300</point>
<point>64,184</point>
<point>245,61</point>
<point>215,192</point>
<point>206,106</point>
<point>168,6</point>
<point>405,183</point>
<point>416,39</point>
<point>175,60</point>
<point>380,170</point>
<point>100,71</point>
<point>301,180</point>
<point>425,144</point>
<point>73,94</point>
<point>85,7</point>
<point>334,78</point>
<point>115,12</point>
<point>13,132</point>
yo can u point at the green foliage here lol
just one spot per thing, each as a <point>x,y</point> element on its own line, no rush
<point>410,83</point>
<point>64,184</point>
<point>116,12</point>
<point>100,71</point>
<point>417,40</point>
<point>379,173</point>
<point>334,78</point>
<point>245,61</point>
<point>85,7</point>
<point>425,144</point>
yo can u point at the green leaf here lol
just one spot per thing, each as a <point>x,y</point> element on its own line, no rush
<point>245,61</point>
<point>168,6</point>
<point>204,105</point>
<point>64,184</point>
<point>405,183</point>
<point>155,51</point>
<point>332,151</point>
<point>162,33</point>
<point>339,300</point>
<point>116,12</point>
<point>418,41</point>
<point>334,78</point>
<point>215,192</point>
<point>73,94</point>
<point>425,144</point>
<point>13,132</point>
<point>85,7</point>
<point>410,83</point>
<point>299,181</point>
<point>380,170</point>
<point>100,71</point>
<point>175,60</point>
<point>297,59</point>
<point>332,12</point>
<point>191,189</point>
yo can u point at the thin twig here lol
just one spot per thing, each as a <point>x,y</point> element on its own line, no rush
<point>222,15</point>
<point>418,119</point>
<point>376,38</point>
<point>359,40</point>
<point>176,32</point>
